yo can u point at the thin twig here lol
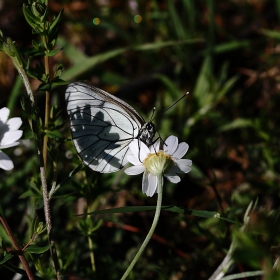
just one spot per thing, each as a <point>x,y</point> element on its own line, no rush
<point>48,220</point>
<point>17,247</point>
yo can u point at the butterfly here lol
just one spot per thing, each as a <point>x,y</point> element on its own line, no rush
<point>103,126</point>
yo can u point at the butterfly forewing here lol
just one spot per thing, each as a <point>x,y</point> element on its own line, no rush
<point>102,126</point>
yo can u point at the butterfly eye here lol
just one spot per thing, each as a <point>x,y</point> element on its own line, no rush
<point>151,127</point>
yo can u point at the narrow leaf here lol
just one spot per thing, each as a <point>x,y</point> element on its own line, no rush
<point>159,45</point>
<point>271,33</point>
<point>171,208</point>
<point>237,123</point>
<point>54,134</point>
<point>89,63</point>
<point>72,173</point>
<point>55,20</point>
<point>52,52</point>
<point>6,258</point>
<point>34,249</point>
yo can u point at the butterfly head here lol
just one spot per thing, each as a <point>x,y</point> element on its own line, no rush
<point>147,133</point>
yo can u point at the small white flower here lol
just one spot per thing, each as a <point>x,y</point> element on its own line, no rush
<point>154,162</point>
<point>9,133</point>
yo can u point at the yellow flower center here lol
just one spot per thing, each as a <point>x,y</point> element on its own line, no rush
<point>157,163</point>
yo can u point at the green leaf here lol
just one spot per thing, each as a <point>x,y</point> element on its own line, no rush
<point>237,123</point>
<point>52,52</point>
<point>30,18</point>
<point>27,133</point>
<point>202,86</point>
<point>44,87</point>
<point>271,33</point>
<point>36,45</point>
<point>58,82</point>
<point>74,54</point>
<point>63,181</point>
<point>6,258</point>
<point>36,52</point>
<point>31,72</point>
<point>159,45</point>
<point>55,20</point>
<point>83,63</point>
<point>231,46</point>
<point>177,23</point>
<point>55,134</point>
<point>171,208</point>
<point>14,96</point>
<point>226,87</point>
<point>26,194</point>
<point>34,249</point>
<point>111,78</point>
<point>86,64</point>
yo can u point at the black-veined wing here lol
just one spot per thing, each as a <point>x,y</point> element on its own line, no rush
<point>103,126</point>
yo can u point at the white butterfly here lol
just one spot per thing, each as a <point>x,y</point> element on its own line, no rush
<point>103,126</point>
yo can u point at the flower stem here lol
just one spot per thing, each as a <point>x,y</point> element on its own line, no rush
<point>151,231</point>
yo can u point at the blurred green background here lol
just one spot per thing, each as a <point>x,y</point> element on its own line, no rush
<point>149,53</point>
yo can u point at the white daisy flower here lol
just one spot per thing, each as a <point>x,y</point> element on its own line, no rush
<point>154,162</point>
<point>9,134</point>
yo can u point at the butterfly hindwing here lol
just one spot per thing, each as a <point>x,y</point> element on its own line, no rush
<point>102,126</point>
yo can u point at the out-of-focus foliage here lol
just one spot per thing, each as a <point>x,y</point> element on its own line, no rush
<point>226,54</point>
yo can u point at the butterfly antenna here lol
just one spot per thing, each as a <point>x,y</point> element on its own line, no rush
<point>153,113</point>
<point>175,102</point>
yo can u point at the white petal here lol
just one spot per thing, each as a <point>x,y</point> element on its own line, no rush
<point>173,179</point>
<point>155,147</point>
<point>181,150</point>
<point>3,129</point>
<point>132,159</point>
<point>179,168</point>
<point>170,145</point>
<point>152,185</point>
<point>139,149</point>
<point>14,123</point>
<point>4,114</point>
<point>149,184</point>
<point>144,151</point>
<point>134,170</point>
<point>5,162</point>
<point>9,145</point>
<point>145,182</point>
<point>184,164</point>
<point>10,137</point>
<point>184,169</point>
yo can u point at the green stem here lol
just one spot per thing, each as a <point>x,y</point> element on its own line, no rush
<point>90,209</point>
<point>47,114</point>
<point>151,231</point>
<point>91,253</point>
